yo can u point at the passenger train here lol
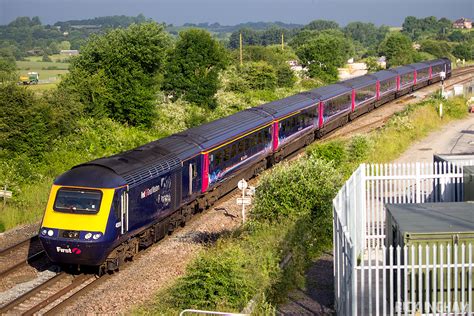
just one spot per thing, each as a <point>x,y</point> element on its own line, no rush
<point>101,212</point>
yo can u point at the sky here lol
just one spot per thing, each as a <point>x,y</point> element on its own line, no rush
<point>231,12</point>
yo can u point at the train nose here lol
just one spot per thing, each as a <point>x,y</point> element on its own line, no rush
<point>79,252</point>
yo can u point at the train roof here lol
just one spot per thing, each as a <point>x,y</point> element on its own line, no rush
<point>401,70</point>
<point>140,164</point>
<point>435,62</point>
<point>214,133</point>
<point>419,66</point>
<point>360,82</point>
<point>283,107</point>
<point>94,176</point>
<point>331,91</point>
<point>385,75</point>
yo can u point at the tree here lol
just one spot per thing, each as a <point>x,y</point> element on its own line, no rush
<point>398,49</point>
<point>365,33</point>
<point>325,53</point>
<point>457,36</point>
<point>321,25</point>
<point>464,51</point>
<point>193,67</point>
<point>23,122</point>
<point>64,45</point>
<point>285,76</point>
<point>436,48</point>
<point>7,67</point>
<point>249,37</point>
<point>259,75</point>
<point>117,74</point>
<point>46,58</point>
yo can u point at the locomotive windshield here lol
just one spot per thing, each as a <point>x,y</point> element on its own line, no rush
<point>78,201</point>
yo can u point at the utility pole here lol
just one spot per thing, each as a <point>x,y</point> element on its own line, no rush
<point>241,57</point>
<point>282,41</point>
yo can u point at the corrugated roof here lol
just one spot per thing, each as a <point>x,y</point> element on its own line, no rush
<point>402,70</point>
<point>289,105</point>
<point>385,75</point>
<point>328,92</point>
<point>360,82</point>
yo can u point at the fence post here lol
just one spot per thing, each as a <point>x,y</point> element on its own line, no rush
<point>417,183</point>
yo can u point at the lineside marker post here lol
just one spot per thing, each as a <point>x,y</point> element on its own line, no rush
<point>6,195</point>
<point>243,185</point>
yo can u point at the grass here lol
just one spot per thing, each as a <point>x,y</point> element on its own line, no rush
<point>51,71</point>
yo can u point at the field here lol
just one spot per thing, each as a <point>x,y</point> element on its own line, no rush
<point>50,72</point>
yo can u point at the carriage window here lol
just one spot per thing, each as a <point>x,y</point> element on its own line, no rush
<point>423,73</point>
<point>227,153</point>
<point>233,151</point>
<point>337,105</point>
<point>365,93</point>
<point>77,201</point>
<point>407,78</point>
<point>241,146</point>
<point>218,159</point>
<point>388,85</point>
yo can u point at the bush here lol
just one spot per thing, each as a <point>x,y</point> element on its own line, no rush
<point>305,187</point>
<point>215,280</point>
<point>259,75</point>
<point>285,76</point>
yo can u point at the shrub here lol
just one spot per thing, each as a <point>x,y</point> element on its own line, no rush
<point>305,187</point>
<point>259,75</point>
<point>217,279</point>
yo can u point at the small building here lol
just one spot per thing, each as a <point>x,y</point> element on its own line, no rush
<point>462,23</point>
<point>69,52</point>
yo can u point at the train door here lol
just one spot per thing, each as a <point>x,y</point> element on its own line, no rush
<point>190,179</point>
<point>124,212</point>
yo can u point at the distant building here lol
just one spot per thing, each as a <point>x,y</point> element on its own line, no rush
<point>69,52</point>
<point>462,23</point>
<point>35,52</point>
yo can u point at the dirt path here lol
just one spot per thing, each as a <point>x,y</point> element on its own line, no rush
<point>453,138</point>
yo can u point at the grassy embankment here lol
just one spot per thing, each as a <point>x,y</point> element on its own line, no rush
<point>292,214</point>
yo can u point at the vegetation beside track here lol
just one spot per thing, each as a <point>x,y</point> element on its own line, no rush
<point>291,215</point>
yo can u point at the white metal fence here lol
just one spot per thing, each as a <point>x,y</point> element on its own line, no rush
<point>371,279</point>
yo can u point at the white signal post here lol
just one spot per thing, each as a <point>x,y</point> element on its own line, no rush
<point>6,195</point>
<point>243,185</point>
<point>442,75</point>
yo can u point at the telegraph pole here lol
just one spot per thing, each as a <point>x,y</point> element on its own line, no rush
<point>241,61</point>
<point>282,41</point>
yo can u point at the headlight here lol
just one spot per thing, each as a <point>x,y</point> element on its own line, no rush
<point>50,233</point>
<point>44,232</point>
<point>96,236</point>
<point>88,236</point>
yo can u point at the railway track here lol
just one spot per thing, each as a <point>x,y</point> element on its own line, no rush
<point>21,255</point>
<point>52,296</point>
<point>50,293</point>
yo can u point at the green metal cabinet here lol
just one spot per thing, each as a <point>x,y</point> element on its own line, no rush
<point>432,224</point>
<point>468,172</point>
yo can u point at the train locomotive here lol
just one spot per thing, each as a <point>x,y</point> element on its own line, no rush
<point>100,213</point>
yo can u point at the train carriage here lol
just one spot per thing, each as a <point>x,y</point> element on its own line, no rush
<point>334,107</point>
<point>422,74</point>
<point>364,93</point>
<point>295,120</point>
<point>405,80</point>
<point>387,86</point>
